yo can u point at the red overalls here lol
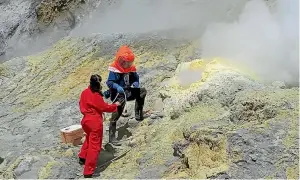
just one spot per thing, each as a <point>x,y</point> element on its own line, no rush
<point>92,107</point>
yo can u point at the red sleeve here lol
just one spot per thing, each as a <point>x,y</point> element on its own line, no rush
<point>81,103</point>
<point>100,105</point>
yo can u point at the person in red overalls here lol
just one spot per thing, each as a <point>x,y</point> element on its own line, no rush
<point>92,107</point>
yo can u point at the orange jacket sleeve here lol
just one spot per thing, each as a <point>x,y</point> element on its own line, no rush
<point>102,106</point>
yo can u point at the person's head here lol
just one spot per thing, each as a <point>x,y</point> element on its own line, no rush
<point>125,57</point>
<point>95,83</point>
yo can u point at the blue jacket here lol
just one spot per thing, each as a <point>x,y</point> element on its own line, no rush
<point>118,79</point>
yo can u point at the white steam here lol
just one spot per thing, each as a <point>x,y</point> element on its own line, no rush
<point>142,16</point>
<point>265,41</point>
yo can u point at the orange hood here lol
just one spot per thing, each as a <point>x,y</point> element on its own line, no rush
<point>127,55</point>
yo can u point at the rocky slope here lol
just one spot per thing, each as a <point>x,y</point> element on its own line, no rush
<point>222,123</point>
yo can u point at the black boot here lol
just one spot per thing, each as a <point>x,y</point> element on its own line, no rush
<point>88,176</point>
<point>112,134</point>
<point>139,104</point>
<point>139,114</point>
<point>81,161</point>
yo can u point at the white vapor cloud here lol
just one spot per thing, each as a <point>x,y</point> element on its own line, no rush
<point>265,40</point>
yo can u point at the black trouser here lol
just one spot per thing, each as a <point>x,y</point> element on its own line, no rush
<point>137,94</point>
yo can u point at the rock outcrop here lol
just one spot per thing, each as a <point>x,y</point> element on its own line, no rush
<point>39,23</point>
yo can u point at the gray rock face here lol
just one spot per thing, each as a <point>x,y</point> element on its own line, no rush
<point>179,148</point>
<point>20,25</point>
<point>24,166</point>
<point>24,129</point>
<point>2,44</point>
<point>222,175</point>
<point>260,152</point>
<point>152,172</point>
<point>1,160</point>
<point>16,17</point>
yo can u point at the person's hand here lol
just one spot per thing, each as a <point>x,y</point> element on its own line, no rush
<point>121,100</point>
<point>120,89</point>
<point>117,103</point>
<point>135,84</point>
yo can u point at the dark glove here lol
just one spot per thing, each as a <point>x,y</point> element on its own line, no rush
<point>106,94</point>
<point>136,84</point>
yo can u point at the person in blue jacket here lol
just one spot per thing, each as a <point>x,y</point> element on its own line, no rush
<point>123,84</point>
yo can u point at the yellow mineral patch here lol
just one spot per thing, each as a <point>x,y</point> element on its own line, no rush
<point>2,70</point>
<point>292,172</point>
<point>205,162</point>
<point>197,64</point>
<point>9,172</point>
<point>205,69</point>
<point>69,153</point>
<point>45,171</point>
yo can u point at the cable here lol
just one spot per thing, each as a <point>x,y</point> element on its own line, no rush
<point>124,103</point>
<point>115,98</point>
